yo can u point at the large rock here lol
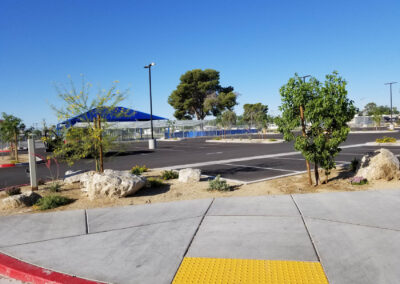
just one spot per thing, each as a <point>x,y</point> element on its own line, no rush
<point>381,164</point>
<point>111,184</point>
<point>21,200</point>
<point>189,175</point>
<point>76,176</point>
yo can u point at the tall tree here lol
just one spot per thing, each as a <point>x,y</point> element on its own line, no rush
<point>10,128</point>
<point>256,114</point>
<point>326,111</point>
<point>199,94</point>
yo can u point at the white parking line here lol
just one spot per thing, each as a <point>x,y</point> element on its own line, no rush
<point>263,168</point>
<point>214,153</point>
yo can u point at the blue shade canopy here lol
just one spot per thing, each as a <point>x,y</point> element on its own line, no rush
<point>110,115</point>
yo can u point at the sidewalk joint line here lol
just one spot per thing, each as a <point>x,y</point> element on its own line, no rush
<point>194,235</point>
<point>80,235</point>
<point>353,224</point>
<point>308,232</point>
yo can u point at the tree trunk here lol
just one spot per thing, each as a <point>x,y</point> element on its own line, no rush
<point>316,174</point>
<point>100,145</point>
<point>16,146</point>
<point>303,130</point>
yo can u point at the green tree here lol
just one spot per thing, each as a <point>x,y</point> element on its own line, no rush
<point>199,94</point>
<point>372,108</point>
<point>256,115</point>
<point>92,139</point>
<point>10,128</point>
<point>377,118</point>
<point>325,109</point>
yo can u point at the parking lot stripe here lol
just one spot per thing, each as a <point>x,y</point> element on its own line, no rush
<point>263,168</point>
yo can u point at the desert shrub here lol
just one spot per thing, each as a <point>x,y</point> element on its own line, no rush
<point>386,139</point>
<point>41,182</point>
<point>55,187</point>
<point>13,191</point>
<point>52,201</point>
<point>138,170</point>
<point>272,139</point>
<point>217,138</point>
<point>358,181</point>
<point>218,184</point>
<point>154,182</point>
<point>166,175</point>
<point>354,164</point>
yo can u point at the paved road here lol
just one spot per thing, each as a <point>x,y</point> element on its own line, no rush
<point>192,151</point>
<point>354,235</point>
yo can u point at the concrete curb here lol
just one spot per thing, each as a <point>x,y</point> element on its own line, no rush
<point>22,271</point>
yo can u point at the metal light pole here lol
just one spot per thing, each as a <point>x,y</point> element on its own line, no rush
<point>152,142</point>
<point>303,131</point>
<point>391,108</point>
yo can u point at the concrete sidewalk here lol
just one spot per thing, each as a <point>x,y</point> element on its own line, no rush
<point>354,235</point>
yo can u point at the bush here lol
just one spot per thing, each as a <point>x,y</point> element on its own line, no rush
<point>55,187</point>
<point>272,139</point>
<point>354,164</point>
<point>166,175</point>
<point>154,182</point>
<point>217,138</point>
<point>218,184</point>
<point>138,170</point>
<point>13,191</point>
<point>52,201</point>
<point>358,181</point>
<point>386,139</point>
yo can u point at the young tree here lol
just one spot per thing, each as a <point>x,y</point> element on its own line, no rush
<point>199,94</point>
<point>296,96</point>
<point>228,118</point>
<point>10,128</point>
<point>92,139</point>
<point>326,111</point>
<point>377,118</point>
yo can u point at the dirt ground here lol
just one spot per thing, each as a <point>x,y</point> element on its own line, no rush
<point>173,190</point>
<point>7,159</point>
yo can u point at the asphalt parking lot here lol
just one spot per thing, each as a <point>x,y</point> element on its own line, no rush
<point>244,163</point>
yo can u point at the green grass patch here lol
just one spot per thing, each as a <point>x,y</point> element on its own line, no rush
<point>218,184</point>
<point>55,187</point>
<point>154,182</point>
<point>138,170</point>
<point>53,201</point>
<point>217,138</point>
<point>386,139</point>
<point>272,139</point>
<point>166,175</point>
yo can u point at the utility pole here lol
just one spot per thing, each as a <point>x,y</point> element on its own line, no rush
<point>303,130</point>
<point>391,108</point>
<point>152,142</point>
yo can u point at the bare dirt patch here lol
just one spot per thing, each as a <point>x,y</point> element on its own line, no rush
<point>7,159</point>
<point>173,190</point>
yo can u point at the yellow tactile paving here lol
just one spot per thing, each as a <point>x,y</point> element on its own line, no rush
<point>223,270</point>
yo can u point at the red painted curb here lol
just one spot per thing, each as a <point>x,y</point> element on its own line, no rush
<point>7,165</point>
<point>19,270</point>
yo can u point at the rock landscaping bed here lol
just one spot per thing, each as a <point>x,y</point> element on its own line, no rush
<point>377,170</point>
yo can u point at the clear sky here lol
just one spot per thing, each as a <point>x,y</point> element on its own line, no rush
<point>256,45</point>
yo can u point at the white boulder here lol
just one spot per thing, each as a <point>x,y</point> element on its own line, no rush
<point>111,183</point>
<point>189,175</point>
<point>21,200</point>
<point>381,164</point>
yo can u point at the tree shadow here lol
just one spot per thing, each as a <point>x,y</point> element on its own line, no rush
<point>151,191</point>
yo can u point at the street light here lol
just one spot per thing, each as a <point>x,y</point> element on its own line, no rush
<point>391,109</point>
<point>152,143</point>
<point>304,78</point>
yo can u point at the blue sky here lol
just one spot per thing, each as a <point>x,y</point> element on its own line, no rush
<point>256,45</point>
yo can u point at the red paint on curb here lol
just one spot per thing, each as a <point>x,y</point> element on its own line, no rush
<point>19,270</point>
<point>7,165</point>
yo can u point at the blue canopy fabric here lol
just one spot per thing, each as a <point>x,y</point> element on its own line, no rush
<point>110,115</point>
